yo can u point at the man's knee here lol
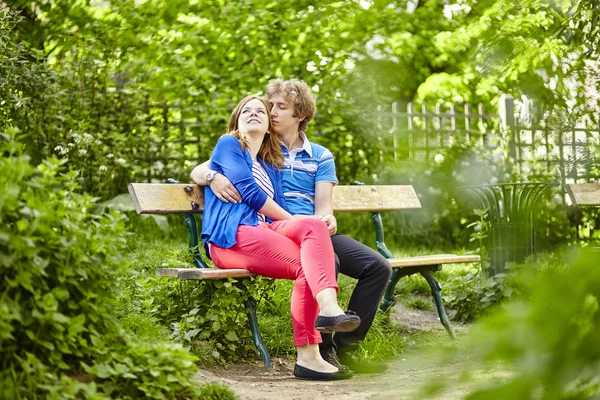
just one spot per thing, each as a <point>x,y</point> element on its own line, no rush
<point>383,269</point>
<point>387,267</point>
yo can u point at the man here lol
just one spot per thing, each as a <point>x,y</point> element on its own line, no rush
<point>308,178</point>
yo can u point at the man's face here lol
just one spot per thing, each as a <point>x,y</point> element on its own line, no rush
<point>282,115</point>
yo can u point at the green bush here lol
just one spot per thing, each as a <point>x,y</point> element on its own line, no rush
<point>471,296</point>
<point>58,263</point>
<point>547,339</point>
<point>58,333</point>
<point>214,391</point>
<point>208,316</point>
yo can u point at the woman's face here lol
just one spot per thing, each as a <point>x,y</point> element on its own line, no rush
<point>253,118</point>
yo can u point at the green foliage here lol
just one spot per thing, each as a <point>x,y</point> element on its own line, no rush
<point>471,296</point>
<point>549,337</point>
<point>142,91</point>
<point>274,319</point>
<point>215,315</point>
<point>60,337</point>
<point>208,316</point>
<point>24,78</point>
<point>214,391</point>
<point>140,370</point>
<point>447,210</point>
<point>57,261</point>
<point>384,342</point>
<point>420,303</point>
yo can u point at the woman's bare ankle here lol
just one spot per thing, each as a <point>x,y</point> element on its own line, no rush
<point>310,357</point>
<point>328,305</point>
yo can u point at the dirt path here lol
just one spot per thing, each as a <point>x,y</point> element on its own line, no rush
<point>404,379</point>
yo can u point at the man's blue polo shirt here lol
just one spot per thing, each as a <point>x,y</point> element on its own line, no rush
<point>303,168</point>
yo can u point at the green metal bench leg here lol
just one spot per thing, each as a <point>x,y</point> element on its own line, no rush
<point>436,292</point>
<point>388,298</point>
<point>256,337</point>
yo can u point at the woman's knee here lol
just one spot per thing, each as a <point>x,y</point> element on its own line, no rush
<point>308,225</point>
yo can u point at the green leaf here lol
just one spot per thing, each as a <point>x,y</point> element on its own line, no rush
<point>61,318</point>
<point>231,336</point>
<point>191,334</point>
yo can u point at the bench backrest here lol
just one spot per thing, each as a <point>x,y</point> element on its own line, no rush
<point>585,194</point>
<point>165,198</point>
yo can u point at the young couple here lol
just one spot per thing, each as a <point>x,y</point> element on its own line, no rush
<point>268,209</point>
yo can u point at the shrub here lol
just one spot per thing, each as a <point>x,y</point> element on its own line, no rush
<point>548,338</point>
<point>210,316</point>
<point>58,262</point>
<point>472,295</point>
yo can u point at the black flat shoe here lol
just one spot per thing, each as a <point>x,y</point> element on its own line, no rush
<point>304,373</point>
<point>340,323</point>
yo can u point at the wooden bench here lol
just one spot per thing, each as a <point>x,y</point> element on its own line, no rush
<point>584,194</point>
<point>188,199</point>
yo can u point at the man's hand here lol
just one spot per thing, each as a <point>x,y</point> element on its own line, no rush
<point>331,223</point>
<point>224,190</point>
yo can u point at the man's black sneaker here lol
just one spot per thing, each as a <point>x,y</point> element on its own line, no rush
<point>333,359</point>
<point>359,366</point>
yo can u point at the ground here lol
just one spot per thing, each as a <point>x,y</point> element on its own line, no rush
<point>406,378</point>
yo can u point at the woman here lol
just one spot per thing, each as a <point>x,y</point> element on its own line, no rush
<point>260,235</point>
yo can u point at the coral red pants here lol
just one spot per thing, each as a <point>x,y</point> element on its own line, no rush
<point>297,249</point>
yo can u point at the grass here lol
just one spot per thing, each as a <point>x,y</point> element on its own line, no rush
<point>144,297</point>
<point>419,302</point>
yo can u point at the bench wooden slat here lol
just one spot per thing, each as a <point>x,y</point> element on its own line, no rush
<point>373,198</point>
<point>202,273</point>
<point>216,273</point>
<point>585,194</point>
<point>435,259</point>
<point>164,198</point>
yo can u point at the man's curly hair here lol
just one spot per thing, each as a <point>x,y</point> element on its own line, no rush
<point>302,97</point>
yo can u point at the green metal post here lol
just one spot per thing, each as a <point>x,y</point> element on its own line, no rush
<point>250,304</point>
<point>388,297</point>
<point>436,292</point>
<point>190,223</point>
<point>256,336</point>
<point>379,239</point>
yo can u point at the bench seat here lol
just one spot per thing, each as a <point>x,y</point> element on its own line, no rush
<point>436,259</point>
<point>204,274</point>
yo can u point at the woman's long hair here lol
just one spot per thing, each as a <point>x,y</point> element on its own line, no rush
<point>270,150</point>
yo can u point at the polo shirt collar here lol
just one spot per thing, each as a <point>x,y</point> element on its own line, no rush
<point>305,144</point>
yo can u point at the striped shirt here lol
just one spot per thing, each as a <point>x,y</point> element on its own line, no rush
<point>263,181</point>
<point>303,168</point>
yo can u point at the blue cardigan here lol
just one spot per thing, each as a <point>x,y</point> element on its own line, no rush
<point>220,220</point>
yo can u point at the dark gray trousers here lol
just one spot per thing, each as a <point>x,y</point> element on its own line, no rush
<point>372,271</point>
